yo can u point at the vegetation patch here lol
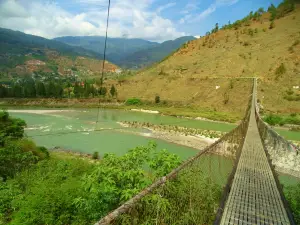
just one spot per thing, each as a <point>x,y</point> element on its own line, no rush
<point>273,120</point>
<point>280,71</point>
<point>133,101</point>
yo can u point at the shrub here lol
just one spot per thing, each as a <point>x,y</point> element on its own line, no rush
<point>293,196</point>
<point>290,92</point>
<point>226,98</point>
<point>250,32</point>
<point>273,119</point>
<point>133,101</point>
<point>272,25</point>
<point>95,155</point>
<point>231,84</point>
<point>292,98</point>
<point>296,43</point>
<point>157,99</point>
<point>14,157</point>
<point>280,70</point>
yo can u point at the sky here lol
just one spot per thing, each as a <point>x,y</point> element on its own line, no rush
<point>153,20</point>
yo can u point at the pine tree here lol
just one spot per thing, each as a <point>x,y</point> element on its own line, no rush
<point>40,89</point>
<point>77,90</point>
<point>113,91</point>
<point>17,90</point>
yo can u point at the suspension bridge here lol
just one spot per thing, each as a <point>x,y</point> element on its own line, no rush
<point>252,194</point>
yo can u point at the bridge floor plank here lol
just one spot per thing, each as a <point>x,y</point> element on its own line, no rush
<point>254,197</point>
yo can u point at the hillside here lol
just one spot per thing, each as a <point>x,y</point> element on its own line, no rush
<point>21,54</point>
<point>154,54</point>
<point>117,48</point>
<point>210,74</point>
<point>128,53</point>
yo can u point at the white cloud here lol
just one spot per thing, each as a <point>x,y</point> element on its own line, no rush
<point>205,13</point>
<point>212,8</point>
<point>191,6</point>
<point>130,17</point>
<point>166,6</point>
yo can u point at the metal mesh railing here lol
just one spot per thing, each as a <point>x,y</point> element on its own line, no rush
<point>191,193</point>
<point>284,155</point>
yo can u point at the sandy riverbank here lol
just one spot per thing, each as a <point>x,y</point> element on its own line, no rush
<point>192,141</point>
<point>38,111</point>
<point>145,111</point>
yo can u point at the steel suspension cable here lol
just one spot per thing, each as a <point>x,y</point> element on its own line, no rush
<point>103,63</point>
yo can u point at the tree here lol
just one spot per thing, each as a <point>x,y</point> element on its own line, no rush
<point>29,88</point>
<point>77,90</point>
<point>51,90</point>
<point>272,25</point>
<point>59,91</point>
<point>113,91</point>
<point>3,91</point>
<point>17,90</point>
<point>87,89</point>
<point>40,89</point>
<point>215,29</point>
<point>272,9</point>
<point>157,99</point>
<point>103,91</point>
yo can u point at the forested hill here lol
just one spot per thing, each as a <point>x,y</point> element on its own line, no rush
<point>18,42</point>
<point>117,48</point>
<point>128,53</point>
<point>15,45</point>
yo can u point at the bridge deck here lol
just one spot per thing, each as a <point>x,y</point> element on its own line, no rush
<point>254,197</point>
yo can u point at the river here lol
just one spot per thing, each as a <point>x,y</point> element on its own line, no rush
<point>74,130</point>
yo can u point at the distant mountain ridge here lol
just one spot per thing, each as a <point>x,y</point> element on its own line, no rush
<point>16,41</point>
<point>22,54</point>
<point>117,48</point>
<point>149,56</point>
<point>128,53</point>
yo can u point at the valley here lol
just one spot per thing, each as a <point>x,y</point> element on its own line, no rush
<point>135,115</point>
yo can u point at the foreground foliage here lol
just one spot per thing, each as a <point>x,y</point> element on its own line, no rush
<point>16,153</point>
<point>38,189</point>
<point>292,194</point>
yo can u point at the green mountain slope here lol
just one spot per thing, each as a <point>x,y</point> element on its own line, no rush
<point>117,48</point>
<point>155,54</point>
<point>15,45</point>
<point>128,53</point>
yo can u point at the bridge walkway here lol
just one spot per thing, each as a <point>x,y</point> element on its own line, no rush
<point>254,197</point>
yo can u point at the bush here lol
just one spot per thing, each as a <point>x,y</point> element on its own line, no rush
<point>133,101</point>
<point>273,119</point>
<point>157,99</point>
<point>292,98</point>
<point>296,43</point>
<point>280,70</point>
<point>272,25</point>
<point>292,194</point>
<point>14,157</point>
<point>95,155</point>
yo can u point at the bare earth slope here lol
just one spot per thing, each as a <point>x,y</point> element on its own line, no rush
<point>252,50</point>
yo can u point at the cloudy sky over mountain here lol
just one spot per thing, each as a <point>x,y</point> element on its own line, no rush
<point>155,20</point>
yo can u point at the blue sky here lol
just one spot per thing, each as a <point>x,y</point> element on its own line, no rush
<point>154,20</point>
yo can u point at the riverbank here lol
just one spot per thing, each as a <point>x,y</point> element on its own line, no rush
<point>181,136</point>
<point>171,109</point>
